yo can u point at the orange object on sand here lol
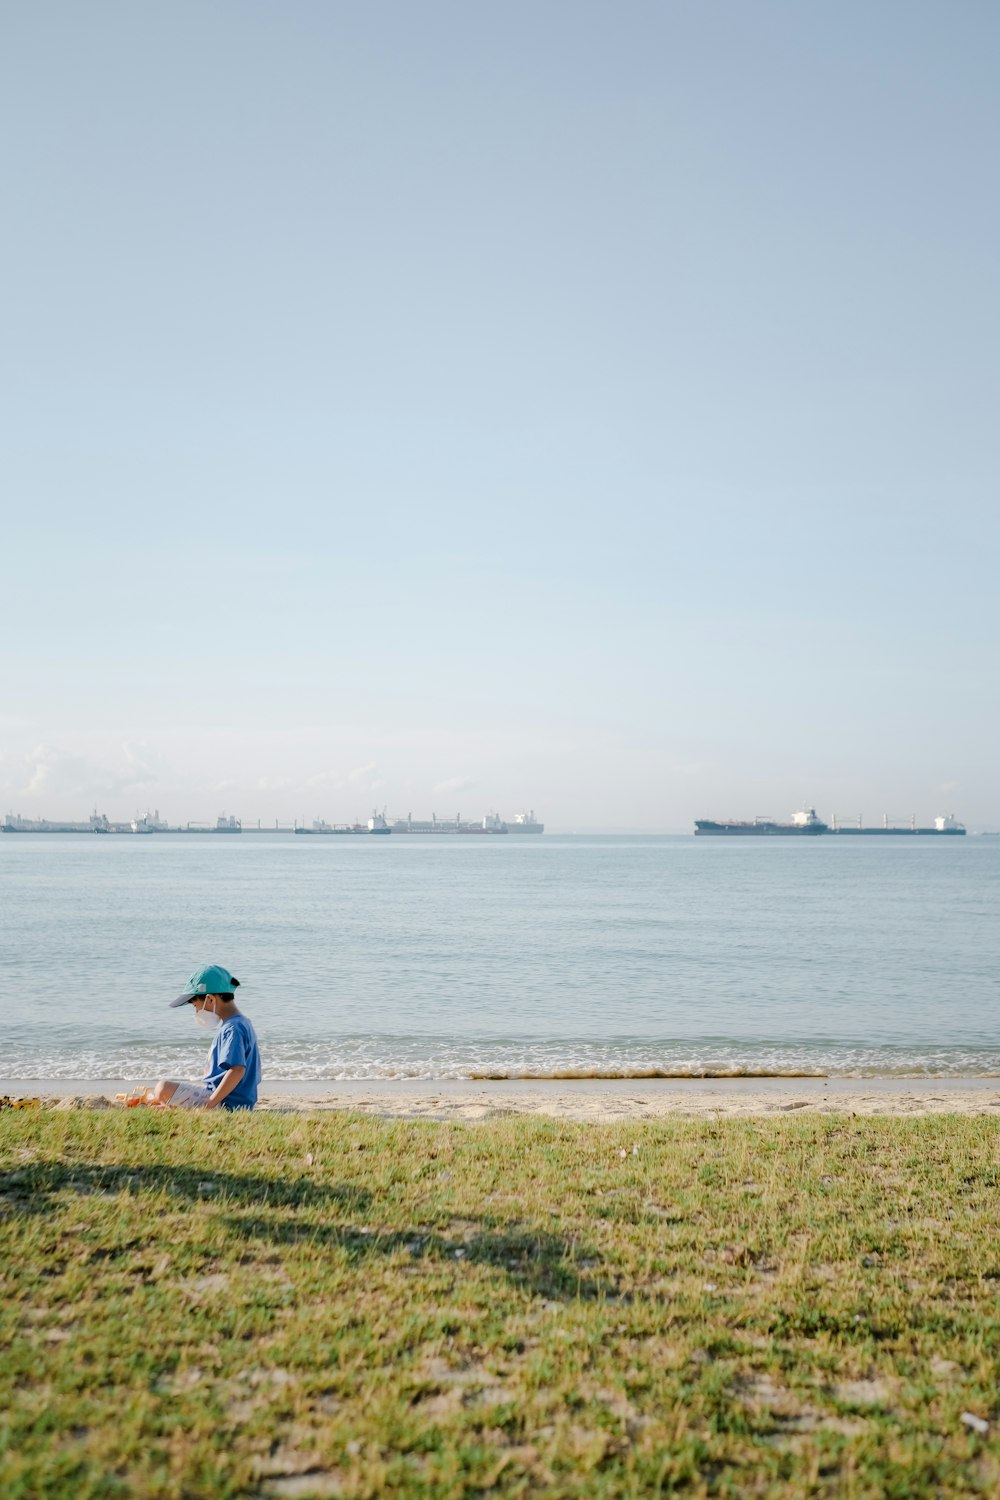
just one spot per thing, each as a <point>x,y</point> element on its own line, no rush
<point>135,1097</point>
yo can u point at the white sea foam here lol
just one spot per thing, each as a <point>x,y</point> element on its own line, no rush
<point>402,1058</point>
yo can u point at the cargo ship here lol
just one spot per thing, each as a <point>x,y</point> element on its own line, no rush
<point>376,824</point>
<point>525,822</point>
<point>96,823</point>
<point>946,824</point>
<point>489,825</point>
<point>806,822</point>
<point>100,823</point>
<point>221,825</point>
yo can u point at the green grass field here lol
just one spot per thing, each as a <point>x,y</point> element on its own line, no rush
<point>290,1306</point>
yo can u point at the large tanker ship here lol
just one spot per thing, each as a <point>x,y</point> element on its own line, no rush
<point>806,822</point>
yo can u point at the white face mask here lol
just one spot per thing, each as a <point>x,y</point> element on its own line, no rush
<point>208,1019</point>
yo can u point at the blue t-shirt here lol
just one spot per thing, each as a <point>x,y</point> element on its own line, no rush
<point>235,1045</point>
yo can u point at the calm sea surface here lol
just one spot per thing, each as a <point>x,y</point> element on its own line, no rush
<point>424,957</point>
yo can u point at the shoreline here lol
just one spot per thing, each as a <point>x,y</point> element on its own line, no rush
<point>590,1100</point>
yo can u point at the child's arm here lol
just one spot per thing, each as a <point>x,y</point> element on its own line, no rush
<point>225,1086</point>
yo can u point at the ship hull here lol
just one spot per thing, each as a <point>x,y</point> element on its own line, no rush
<point>934,833</point>
<point>815,830</point>
<point>325,833</point>
<point>757,830</point>
<point>449,832</point>
<point>52,828</point>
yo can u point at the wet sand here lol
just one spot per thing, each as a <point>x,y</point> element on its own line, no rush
<point>581,1099</point>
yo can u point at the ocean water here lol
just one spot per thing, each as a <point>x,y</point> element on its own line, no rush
<point>452,957</point>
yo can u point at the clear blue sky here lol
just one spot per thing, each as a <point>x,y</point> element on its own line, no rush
<point>578,405</point>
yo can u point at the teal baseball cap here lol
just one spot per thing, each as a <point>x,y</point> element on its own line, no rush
<point>213,979</point>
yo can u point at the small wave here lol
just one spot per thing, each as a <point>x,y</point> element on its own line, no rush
<point>564,1074</point>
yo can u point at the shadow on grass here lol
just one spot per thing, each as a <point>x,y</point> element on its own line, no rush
<point>545,1264</point>
<point>299,1210</point>
<point>33,1189</point>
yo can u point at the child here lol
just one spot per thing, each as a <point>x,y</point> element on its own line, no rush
<point>234,1069</point>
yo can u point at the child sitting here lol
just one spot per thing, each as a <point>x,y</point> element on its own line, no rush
<point>234,1068</point>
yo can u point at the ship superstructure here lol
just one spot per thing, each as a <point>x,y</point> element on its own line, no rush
<point>148,822</point>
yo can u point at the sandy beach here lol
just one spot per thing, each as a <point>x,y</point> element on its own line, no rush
<point>594,1100</point>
